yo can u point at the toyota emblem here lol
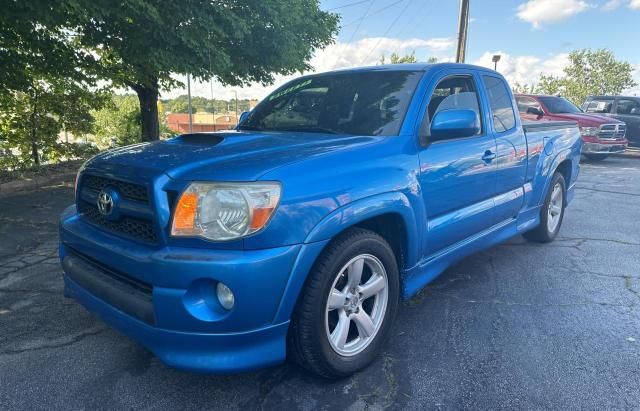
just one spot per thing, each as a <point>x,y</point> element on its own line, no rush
<point>105,203</point>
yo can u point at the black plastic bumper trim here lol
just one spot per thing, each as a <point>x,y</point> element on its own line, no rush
<point>113,290</point>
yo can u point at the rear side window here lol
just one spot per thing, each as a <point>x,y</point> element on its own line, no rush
<point>599,106</point>
<point>631,107</point>
<point>500,103</point>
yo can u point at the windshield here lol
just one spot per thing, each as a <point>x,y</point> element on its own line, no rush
<point>358,103</point>
<point>559,105</point>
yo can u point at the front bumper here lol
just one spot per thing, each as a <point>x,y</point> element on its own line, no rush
<point>198,352</point>
<point>164,298</point>
<point>603,148</point>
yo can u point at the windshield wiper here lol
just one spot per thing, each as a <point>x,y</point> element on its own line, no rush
<point>313,129</point>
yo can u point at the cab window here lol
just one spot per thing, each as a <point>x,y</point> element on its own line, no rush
<point>504,117</point>
<point>455,92</point>
<point>524,103</point>
<point>599,106</point>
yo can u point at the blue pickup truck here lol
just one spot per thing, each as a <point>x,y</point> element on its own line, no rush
<point>297,234</point>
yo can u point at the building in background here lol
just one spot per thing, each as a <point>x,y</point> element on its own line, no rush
<point>202,121</point>
<point>179,122</point>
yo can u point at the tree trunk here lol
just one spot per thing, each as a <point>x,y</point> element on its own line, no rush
<point>34,127</point>
<point>148,97</point>
<point>34,153</point>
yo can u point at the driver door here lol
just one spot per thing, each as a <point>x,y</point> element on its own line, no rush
<point>457,175</point>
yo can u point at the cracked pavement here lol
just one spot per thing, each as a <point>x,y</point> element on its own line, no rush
<point>520,325</point>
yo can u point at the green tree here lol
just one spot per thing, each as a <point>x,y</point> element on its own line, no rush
<point>395,58</point>
<point>590,72</point>
<point>35,45</point>
<point>31,120</point>
<point>141,43</point>
<point>118,122</point>
<point>523,88</point>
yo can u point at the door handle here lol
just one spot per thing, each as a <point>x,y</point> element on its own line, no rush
<point>488,156</point>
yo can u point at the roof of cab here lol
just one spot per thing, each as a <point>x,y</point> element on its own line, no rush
<point>411,67</point>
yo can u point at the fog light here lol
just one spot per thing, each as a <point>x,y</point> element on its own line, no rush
<point>225,296</point>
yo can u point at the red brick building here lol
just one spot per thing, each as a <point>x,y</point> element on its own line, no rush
<point>179,122</point>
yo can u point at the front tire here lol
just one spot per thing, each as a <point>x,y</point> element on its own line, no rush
<point>347,307</point>
<point>551,212</point>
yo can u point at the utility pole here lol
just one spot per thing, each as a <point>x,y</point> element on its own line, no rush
<point>463,23</point>
<point>190,110</point>
<point>236,93</point>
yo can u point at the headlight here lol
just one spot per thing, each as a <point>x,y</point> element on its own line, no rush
<point>224,211</point>
<point>589,131</point>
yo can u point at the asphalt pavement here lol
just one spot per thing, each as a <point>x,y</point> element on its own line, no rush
<point>520,325</point>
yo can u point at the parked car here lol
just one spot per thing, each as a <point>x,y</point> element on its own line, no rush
<point>299,233</point>
<point>601,135</point>
<point>623,108</point>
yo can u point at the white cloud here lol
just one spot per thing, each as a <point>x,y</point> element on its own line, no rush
<point>614,4</point>
<point>538,12</point>
<point>366,51</point>
<point>525,69</point>
<point>611,5</point>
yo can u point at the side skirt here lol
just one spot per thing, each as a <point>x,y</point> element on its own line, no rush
<point>417,277</point>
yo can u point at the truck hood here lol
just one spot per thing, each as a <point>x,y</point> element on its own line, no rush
<point>586,120</point>
<point>227,156</point>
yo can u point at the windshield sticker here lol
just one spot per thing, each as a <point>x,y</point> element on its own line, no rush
<point>289,90</point>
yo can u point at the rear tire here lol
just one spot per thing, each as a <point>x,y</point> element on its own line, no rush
<point>347,306</point>
<point>551,212</point>
<point>596,157</point>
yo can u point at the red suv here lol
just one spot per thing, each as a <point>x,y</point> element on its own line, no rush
<point>601,135</point>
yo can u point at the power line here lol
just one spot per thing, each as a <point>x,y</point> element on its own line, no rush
<point>380,10</point>
<point>355,3</point>
<point>388,30</point>
<point>366,13</point>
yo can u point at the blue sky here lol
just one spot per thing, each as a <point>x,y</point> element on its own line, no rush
<point>496,26</point>
<point>533,36</point>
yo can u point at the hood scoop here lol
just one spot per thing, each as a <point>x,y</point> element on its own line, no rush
<point>197,139</point>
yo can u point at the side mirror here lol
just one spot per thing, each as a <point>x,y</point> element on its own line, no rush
<point>243,117</point>
<point>535,111</point>
<point>455,123</point>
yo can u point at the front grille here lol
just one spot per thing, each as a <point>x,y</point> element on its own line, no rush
<point>136,226</point>
<point>131,227</point>
<point>612,131</point>
<point>131,191</point>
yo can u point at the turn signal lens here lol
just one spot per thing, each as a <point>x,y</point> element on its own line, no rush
<point>185,214</point>
<point>224,211</point>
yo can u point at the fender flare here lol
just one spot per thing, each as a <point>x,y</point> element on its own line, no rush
<point>336,222</point>
<point>369,207</point>
<point>550,169</point>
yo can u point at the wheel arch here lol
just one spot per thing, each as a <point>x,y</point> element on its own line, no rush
<point>389,215</point>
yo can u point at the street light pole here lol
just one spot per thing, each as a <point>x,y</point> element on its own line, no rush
<point>496,59</point>
<point>463,23</point>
